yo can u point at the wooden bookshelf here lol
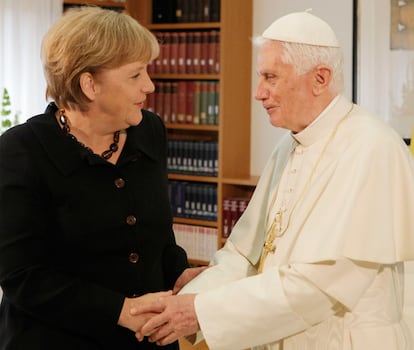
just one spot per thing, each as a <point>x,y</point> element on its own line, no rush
<point>233,129</point>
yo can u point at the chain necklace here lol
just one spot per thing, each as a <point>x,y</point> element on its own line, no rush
<point>113,147</point>
<point>275,229</point>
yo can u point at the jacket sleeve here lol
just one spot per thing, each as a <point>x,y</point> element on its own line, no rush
<point>278,303</point>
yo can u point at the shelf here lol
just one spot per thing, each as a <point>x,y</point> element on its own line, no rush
<point>174,26</point>
<point>195,222</point>
<point>250,181</point>
<point>194,178</point>
<point>192,127</point>
<point>185,76</point>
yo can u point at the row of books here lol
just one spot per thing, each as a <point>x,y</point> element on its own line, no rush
<point>233,208</point>
<point>187,52</point>
<point>193,200</point>
<point>186,101</point>
<point>200,243</point>
<point>182,11</point>
<point>193,157</point>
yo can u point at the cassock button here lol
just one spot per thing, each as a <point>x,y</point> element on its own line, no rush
<point>133,258</point>
<point>131,220</point>
<point>119,183</point>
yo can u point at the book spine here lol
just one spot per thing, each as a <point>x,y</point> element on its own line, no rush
<point>189,108</point>
<point>174,53</point>
<point>182,52</point>
<point>196,103</point>
<point>165,52</point>
<point>189,57</point>
<point>159,99</point>
<point>181,91</point>
<point>196,54</point>
<point>167,102</point>
<point>174,102</point>
<point>203,102</point>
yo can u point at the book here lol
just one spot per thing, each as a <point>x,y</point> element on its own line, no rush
<point>174,102</point>
<point>214,10</point>
<point>196,102</point>
<point>163,11</point>
<point>181,108</point>
<point>203,102</point>
<point>204,51</point>
<point>213,64</point>
<point>165,49</point>
<point>159,99</point>
<point>205,4</point>
<point>173,53</point>
<point>167,102</point>
<point>182,52</point>
<point>158,60</point>
<point>179,8</point>
<point>211,103</point>
<point>216,102</point>
<point>196,53</point>
<point>150,102</point>
<point>226,218</point>
<point>189,65</point>
<point>189,97</point>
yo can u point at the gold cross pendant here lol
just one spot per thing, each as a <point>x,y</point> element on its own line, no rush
<point>268,246</point>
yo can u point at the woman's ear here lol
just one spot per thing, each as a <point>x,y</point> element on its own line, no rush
<point>322,79</point>
<point>87,84</point>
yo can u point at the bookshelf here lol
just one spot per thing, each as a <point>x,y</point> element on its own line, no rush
<point>232,132</point>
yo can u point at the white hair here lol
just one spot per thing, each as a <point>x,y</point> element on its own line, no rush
<point>304,57</point>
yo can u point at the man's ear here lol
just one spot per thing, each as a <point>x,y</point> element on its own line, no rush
<point>321,79</point>
<point>88,86</point>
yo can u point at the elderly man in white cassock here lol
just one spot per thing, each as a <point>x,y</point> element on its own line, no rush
<point>317,260</point>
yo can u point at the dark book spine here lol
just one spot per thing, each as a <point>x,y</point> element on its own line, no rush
<point>174,102</point>
<point>214,10</point>
<point>167,102</point>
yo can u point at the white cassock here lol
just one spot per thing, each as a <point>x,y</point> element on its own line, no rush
<point>345,186</point>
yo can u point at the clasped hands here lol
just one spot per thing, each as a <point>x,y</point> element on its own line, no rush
<point>163,317</point>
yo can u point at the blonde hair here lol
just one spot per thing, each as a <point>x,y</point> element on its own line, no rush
<point>90,39</point>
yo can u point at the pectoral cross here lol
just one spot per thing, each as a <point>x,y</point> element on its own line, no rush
<point>272,233</point>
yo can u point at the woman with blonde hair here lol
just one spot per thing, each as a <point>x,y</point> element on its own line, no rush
<point>85,220</point>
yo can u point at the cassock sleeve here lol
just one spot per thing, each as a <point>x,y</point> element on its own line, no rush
<point>278,303</point>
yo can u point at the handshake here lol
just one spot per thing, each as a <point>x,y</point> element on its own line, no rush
<point>163,317</point>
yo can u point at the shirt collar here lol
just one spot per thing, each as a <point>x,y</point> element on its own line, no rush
<point>324,123</point>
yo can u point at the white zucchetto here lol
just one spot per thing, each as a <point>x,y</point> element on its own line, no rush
<point>302,28</point>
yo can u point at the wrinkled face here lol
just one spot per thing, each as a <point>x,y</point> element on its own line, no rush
<point>285,95</point>
<point>120,94</point>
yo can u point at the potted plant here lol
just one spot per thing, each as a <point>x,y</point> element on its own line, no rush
<point>6,120</point>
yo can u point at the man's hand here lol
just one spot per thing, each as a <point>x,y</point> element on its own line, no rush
<point>135,322</point>
<point>187,276</point>
<point>177,319</point>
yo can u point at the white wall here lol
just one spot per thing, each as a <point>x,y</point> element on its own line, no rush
<point>338,13</point>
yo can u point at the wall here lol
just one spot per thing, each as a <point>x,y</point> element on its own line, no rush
<point>339,14</point>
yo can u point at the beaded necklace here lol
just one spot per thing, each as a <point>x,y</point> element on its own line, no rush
<point>113,147</point>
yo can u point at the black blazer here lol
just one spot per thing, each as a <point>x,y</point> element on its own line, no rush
<point>78,234</point>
